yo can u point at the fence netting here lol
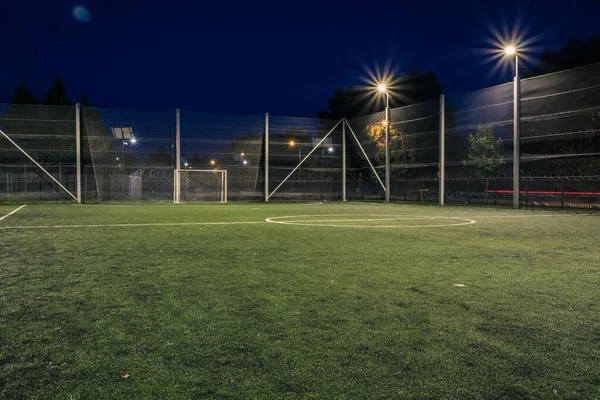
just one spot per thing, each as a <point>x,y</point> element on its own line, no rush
<point>46,134</point>
<point>560,138</point>
<point>415,151</point>
<point>478,146</point>
<point>293,174</point>
<point>366,157</point>
<point>226,142</point>
<point>129,154</point>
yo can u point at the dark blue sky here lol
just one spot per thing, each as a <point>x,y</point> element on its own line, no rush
<point>283,57</point>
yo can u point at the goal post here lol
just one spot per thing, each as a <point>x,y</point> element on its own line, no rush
<point>200,185</point>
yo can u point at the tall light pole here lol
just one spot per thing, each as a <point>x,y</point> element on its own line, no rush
<point>512,51</point>
<point>383,89</point>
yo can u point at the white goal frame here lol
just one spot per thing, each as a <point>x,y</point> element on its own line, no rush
<point>177,183</point>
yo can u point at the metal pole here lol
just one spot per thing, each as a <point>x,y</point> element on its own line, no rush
<point>442,147</point>
<point>387,147</point>
<point>516,133</point>
<point>344,162</point>
<point>78,149</point>
<point>266,157</point>
<point>177,182</point>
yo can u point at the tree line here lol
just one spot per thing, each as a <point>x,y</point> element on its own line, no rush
<point>55,96</point>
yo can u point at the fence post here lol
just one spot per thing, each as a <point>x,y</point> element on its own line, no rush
<point>495,191</point>
<point>177,181</point>
<point>344,160</point>
<point>442,148</point>
<point>266,157</point>
<point>78,149</point>
<point>526,191</point>
<point>562,190</point>
<point>469,190</point>
<point>486,190</point>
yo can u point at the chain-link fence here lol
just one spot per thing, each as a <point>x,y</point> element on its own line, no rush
<point>132,155</point>
<point>37,155</point>
<point>129,154</point>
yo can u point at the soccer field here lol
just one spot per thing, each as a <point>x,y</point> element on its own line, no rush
<point>295,301</point>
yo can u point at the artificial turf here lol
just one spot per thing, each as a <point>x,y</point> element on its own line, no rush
<point>279,311</point>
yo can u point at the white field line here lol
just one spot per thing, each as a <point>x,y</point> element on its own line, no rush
<point>399,218</point>
<point>200,205</point>
<point>129,225</point>
<point>12,212</point>
<point>529,216</point>
<point>278,220</point>
<point>468,222</point>
<point>265,205</point>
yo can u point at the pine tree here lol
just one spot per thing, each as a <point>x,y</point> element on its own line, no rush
<point>57,95</point>
<point>85,100</point>
<point>23,95</point>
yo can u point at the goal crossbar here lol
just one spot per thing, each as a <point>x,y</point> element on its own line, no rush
<point>223,183</point>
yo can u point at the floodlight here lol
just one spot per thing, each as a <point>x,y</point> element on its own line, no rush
<point>382,88</point>
<point>291,143</point>
<point>330,149</point>
<point>212,162</point>
<point>510,50</point>
<point>242,154</point>
<point>133,140</point>
<point>186,164</point>
<point>245,162</point>
<point>122,133</point>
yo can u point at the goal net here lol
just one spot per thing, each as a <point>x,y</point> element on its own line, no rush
<point>198,185</point>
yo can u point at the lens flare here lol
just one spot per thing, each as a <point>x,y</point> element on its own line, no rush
<point>82,14</point>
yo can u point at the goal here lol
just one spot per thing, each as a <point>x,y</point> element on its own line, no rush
<point>200,185</point>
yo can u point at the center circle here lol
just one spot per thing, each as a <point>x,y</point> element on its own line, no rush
<point>368,221</point>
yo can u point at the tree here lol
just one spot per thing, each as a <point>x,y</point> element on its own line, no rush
<point>23,95</point>
<point>574,54</point>
<point>401,151</point>
<point>485,151</point>
<point>57,94</point>
<point>349,102</point>
<point>85,100</point>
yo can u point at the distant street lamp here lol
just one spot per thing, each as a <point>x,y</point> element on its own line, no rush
<point>382,88</point>
<point>291,145</point>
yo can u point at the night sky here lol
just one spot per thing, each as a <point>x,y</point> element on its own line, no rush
<point>283,57</point>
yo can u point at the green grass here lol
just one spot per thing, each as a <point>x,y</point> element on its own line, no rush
<point>272,311</point>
